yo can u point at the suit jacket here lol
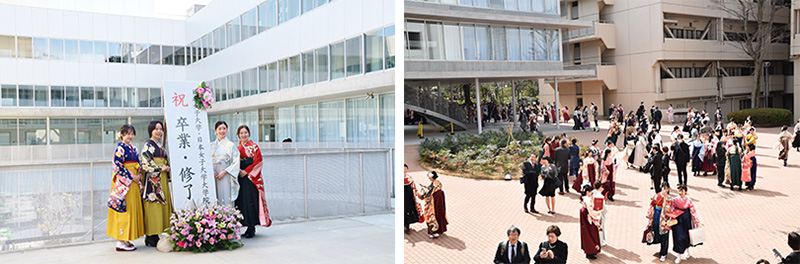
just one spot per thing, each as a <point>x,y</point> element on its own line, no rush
<point>530,177</point>
<point>657,116</point>
<point>523,255</point>
<point>560,252</point>
<point>681,153</point>
<point>574,156</point>
<point>562,159</point>
<point>793,257</point>
<point>656,161</point>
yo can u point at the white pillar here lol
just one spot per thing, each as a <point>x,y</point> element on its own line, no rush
<point>558,107</point>
<point>514,101</point>
<point>478,104</point>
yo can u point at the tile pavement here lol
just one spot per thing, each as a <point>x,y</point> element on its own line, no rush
<point>741,226</point>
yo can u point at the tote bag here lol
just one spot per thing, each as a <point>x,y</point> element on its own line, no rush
<point>697,236</point>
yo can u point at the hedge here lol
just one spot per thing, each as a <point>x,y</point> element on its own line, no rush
<point>763,116</point>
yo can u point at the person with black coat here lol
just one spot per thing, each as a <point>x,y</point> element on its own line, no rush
<point>512,251</point>
<point>553,250</point>
<point>794,243</point>
<point>657,118</point>
<point>720,156</point>
<point>680,155</point>
<point>562,162</point>
<point>530,179</point>
<point>665,163</point>
<point>656,164</point>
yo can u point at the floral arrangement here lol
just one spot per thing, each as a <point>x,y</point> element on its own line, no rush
<point>206,229</point>
<point>203,97</point>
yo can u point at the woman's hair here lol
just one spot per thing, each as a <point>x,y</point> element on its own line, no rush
<point>597,184</point>
<point>751,146</point>
<point>557,231</point>
<point>682,187</point>
<point>794,240</point>
<point>219,123</point>
<point>664,184</point>
<point>433,175</point>
<point>784,128</point>
<point>242,127</point>
<point>126,129</point>
<point>152,127</point>
<point>665,149</point>
<point>586,189</point>
<point>594,142</point>
<point>405,165</point>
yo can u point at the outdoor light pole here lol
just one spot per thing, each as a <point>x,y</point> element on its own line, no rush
<point>766,83</point>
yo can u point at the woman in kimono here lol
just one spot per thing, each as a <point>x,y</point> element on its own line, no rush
<point>735,166</point>
<point>697,152</point>
<point>609,173</point>
<point>252,200</point>
<point>721,158</point>
<point>796,142</point>
<point>565,113</point>
<point>125,215</point>
<point>684,211</point>
<point>660,206</point>
<point>630,146</point>
<point>671,114</point>
<point>749,166</point>
<point>553,116</point>
<point>413,213</point>
<point>587,173</point>
<point>156,194</point>
<point>708,158</point>
<point>640,151</point>
<point>435,209</point>
<point>590,237</point>
<point>225,157</point>
<point>598,211</point>
<point>783,138</point>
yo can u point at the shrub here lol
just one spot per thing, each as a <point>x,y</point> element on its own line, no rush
<point>206,228</point>
<point>763,116</point>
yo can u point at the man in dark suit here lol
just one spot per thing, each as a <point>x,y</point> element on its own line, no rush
<point>657,115</point>
<point>640,111</point>
<point>681,157</point>
<point>562,162</point>
<point>530,178</point>
<point>512,251</point>
<point>656,158</point>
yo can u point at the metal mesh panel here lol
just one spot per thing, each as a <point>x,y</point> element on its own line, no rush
<point>283,185</point>
<point>331,190</point>
<point>376,193</point>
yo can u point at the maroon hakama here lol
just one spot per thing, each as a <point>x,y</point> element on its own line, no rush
<point>708,161</point>
<point>590,238</point>
<point>441,212</point>
<point>609,186</point>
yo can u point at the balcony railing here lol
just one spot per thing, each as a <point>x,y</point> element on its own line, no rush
<point>418,97</point>
<point>584,32</point>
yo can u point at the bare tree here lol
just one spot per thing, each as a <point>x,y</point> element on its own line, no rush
<point>758,23</point>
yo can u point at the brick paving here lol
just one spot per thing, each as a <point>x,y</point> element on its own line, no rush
<point>741,226</point>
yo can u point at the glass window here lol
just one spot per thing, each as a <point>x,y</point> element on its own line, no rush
<point>295,71</point>
<point>222,92</point>
<point>529,53</point>
<point>470,52</point>
<point>540,45</point>
<point>111,128</point>
<point>512,4</point>
<point>337,60</point>
<point>288,9</point>
<point>234,85</point>
<point>180,55</point>
<point>553,53</point>
<point>100,97</point>
<point>434,38</point>
<point>140,123</point>
<point>208,45</point>
<point>525,5</point>
<point>24,47</point>
<point>57,96</point>
<point>130,51</point>
<point>318,3</point>
<point>56,49</point>
<point>232,31</point>
<point>115,96</point>
<point>154,54</point>
<point>272,13</point>
<point>8,132</point>
<point>387,117</point>
<point>25,95</point>
<point>262,79</point>
<point>452,42</point>
<point>100,51</point>
<point>129,97</point>
<point>9,94</point>
<point>538,6</point>
<point>72,50</point>
<point>551,6</point>
<point>480,3</point>
<point>373,50</point>
<point>353,46</point>
<point>484,42</point>
<point>389,33</point>
<point>40,98</point>
<point>262,17</point>
<point>155,97</point>
<point>498,3</point>
<point>250,81</point>
<point>62,131</point>
<point>499,42</point>
<point>167,55</point>
<point>308,5</point>
<point>331,121</point>
<point>8,46</point>
<point>219,38</point>
<point>306,118</point>
<point>250,23</point>
<point>33,131</point>
<point>465,2</point>
<point>87,51</point>
<point>322,63</point>
<point>40,50</point>
<point>114,52</point>
<point>285,124</point>
<point>87,96</point>
<point>144,97</point>
<point>308,67</point>
<point>415,40</point>
<point>72,93</point>
<point>362,119</point>
<point>266,124</point>
<point>272,77</point>
<point>512,35</point>
<point>90,131</point>
<point>283,74</point>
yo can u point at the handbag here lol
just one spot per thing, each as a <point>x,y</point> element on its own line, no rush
<point>697,236</point>
<point>648,236</point>
<point>672,222</point>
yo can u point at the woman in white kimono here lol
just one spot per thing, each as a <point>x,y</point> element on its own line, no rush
<point>225,157</point>
<point>640,151</point>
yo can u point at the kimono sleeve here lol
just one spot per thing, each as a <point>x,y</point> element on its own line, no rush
<point>147,159</point>
<point>233,168</point>
<point>255,169</point>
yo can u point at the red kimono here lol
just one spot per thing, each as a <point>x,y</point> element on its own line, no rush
<point>590,236</point>
<point>566,115</point>
<point>251,150</point>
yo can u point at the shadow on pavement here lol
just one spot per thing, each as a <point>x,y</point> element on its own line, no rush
<point>618,202</point>
<point>621,255</point>
<point>622,185</point>
<point>445,240</point>
<point>556,218</point>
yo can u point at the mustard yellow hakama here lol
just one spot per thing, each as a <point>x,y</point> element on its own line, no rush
<point>129,225</point>
<point>156,215</point>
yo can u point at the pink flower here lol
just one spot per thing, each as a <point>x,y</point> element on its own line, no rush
<point>198,243</point>
<point>182,244</point>
<point>223,237</point>
<point>212,241</point>
<point>190,237</point>
<point>185,231</point>
<point>199,89</point>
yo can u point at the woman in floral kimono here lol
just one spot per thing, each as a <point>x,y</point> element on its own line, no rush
<point>684,211</point>
<point>565,113</point>
<point>660,206</point>
<point>435,209</point>
<point>225,157</point>
<point>413,212</point>
<point>749,167</point>
<point>609,173</point>
<point>735,166</point>
<point>587,173</point>
<point>709,164</point>
<point>697,151</point>
<point>251,200</point>
<point>783,139</point>
<point>156,194</point>
<point>589,223</point>
<point>125,219</point>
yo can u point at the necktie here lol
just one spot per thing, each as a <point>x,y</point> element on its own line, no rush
<point>511,255</point>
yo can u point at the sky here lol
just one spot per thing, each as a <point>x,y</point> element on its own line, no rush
<point>174,9</point>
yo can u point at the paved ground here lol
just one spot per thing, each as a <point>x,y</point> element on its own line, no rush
<point>364,239</point>
<point>741,226</point>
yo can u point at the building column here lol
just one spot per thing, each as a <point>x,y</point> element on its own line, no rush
<point>478,104</point>
<point>514,101</point>
<point>558,107</point>
<point>657,77</point>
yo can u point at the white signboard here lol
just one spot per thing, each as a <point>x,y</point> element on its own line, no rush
<point>189,146</point>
